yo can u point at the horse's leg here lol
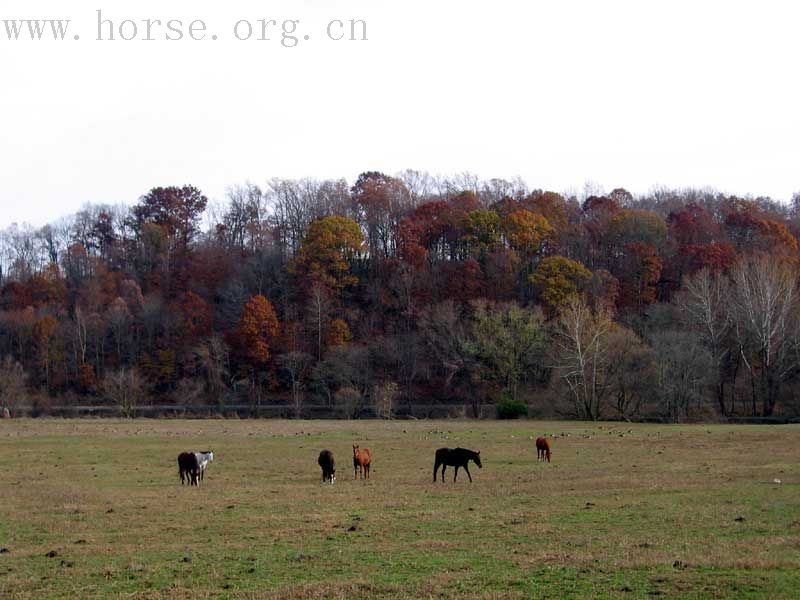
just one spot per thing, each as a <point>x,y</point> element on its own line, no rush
<point>435,468</point>
<point>456,474</point>
<point>444,468</point>
<point>466,468</point>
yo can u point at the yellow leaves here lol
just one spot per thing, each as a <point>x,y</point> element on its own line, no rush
<point>526,231</point>
<point>558,280</point>
<point>339,333</point>
<point>44,328</point>
<point>330,244</point>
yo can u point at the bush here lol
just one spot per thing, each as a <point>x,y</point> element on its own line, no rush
<point>511,409</point>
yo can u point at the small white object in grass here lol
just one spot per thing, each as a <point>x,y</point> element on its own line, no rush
<point>776,480</point>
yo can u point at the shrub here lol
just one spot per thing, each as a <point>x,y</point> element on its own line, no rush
<point>511,409</point>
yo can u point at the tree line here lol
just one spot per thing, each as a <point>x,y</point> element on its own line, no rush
<point>374,297</point>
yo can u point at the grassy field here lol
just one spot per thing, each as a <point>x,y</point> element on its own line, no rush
<point>623,511</point>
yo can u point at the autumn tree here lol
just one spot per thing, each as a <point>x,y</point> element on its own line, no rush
<point>176,209</point>
<point>527,232</point>
<point>258,328</point>
<point>339,333</point>
<point>328,250</point>
<point>380,201</point>
<point>480,233</point>
<point>558,280</point>
<point>44,332</point>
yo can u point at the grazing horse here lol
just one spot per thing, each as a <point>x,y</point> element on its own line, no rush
<point>455,457</point>
<point>362,459</point>
<point>543,449</point>
<point>203,458</point>
<point>189,468</point>
<point>328,466</point>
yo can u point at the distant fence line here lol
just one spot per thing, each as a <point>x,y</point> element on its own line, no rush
<point>267,411</point>
<point>321,411</point>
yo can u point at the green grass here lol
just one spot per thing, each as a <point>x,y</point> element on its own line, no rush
<point>623,511</point>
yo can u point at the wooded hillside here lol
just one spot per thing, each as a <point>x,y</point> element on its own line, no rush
<point>398,292</point>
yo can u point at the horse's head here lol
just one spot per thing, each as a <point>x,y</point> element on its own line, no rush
<point>355,449</point>
<point>477,459</point>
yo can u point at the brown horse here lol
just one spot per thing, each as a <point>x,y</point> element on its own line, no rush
<point>543,449</point>
<point>362,459</point>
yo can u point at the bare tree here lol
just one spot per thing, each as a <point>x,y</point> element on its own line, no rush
<point>630,367</point>
<point>297,365</point>
<point>345,368</point>
<point>442,331</point>
<point>318,310</point>
<point>213,359</point>
<point>384,396</point>
<point>125,389</point>
<point>12,383</point>
<point>581,356</point>
<point>188,392</point>
<point>765,319</point>
<point>684,366</point>
<point>705,306</point>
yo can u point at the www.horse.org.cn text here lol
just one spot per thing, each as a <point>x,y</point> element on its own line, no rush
<point>285,32</point>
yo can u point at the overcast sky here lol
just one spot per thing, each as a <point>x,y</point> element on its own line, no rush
<point>624,93</point>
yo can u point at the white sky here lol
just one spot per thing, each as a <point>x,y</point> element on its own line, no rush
<point>625,93</point>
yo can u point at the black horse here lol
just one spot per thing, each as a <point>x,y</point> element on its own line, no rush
<point>328,465</point>
<point>455,457</point>
<point>189,468</point>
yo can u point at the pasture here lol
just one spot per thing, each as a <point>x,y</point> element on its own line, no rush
<point>95,509</point>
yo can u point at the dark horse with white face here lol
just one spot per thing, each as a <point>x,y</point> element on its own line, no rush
<point>455,457</point>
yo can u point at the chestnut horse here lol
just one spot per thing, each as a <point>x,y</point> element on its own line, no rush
<point>543,449</point>
<point>362,459</point>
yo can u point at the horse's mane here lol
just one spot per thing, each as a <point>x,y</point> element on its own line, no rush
<point>466,451</point>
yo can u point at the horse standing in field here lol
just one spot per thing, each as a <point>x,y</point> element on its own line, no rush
<point>362,459</point>
<point>543,449</point>
<point>455,457</point>
<point>328,465</point>
<point>189,468</point>
<point>203,459</point>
